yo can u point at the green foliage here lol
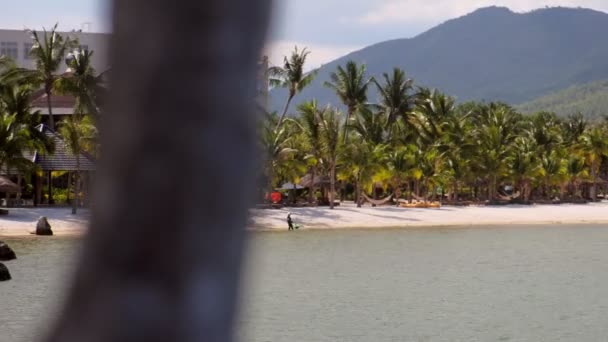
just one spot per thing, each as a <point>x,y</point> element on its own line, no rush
<point>590,99</point>
<point>423,141</point>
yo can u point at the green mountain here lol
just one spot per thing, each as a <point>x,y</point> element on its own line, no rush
<point>591,99</point>
<point>492,54</point>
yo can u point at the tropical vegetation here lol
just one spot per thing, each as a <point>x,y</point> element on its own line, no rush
<point>417,143</point>
<point>61,68</point>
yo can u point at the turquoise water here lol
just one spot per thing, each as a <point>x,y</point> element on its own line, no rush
<point>537,283</point>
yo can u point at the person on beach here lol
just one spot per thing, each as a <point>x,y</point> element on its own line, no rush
<point>289,222</point>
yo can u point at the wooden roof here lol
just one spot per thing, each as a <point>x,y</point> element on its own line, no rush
<point>62,159</point>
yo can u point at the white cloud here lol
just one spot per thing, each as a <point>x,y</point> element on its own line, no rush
<point>424,11</point>
<point>319,54</point>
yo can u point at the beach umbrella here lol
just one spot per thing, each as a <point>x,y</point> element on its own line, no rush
<point>6,185</point>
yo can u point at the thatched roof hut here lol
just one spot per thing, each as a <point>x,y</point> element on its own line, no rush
<point>320,181</point>
<point>6,185</point>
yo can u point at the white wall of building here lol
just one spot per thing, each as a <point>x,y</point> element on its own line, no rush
<point>17,43</point>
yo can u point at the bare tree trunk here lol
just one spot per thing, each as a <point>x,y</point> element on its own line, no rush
<point>332,185</point>
<point>69,186</point>
<point>76,185</point>
<point>48,91</point>
<point>155,270</point>
<point>50,189</point>
<point>7,195</point>
<point>358,194</point>
<point>311,190</point>
<point>593,187</point>
<point>39,184</point>
<point>289,98</point>
<point>19,181</point>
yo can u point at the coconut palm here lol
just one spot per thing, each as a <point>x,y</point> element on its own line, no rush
<point>577,172</point>
<point>350,85</point>
<point>432,111</point>
<point>594,146</point>
<point>574,127</point>
<point>370,125</point>
<point>330,137</point>
<point>77,131</point>
<point>273,146</point>
<point>15,139</point>
<point>524,165</point>
<point>395,98</point>
<point>400,163</point>
<point>309,126</point>
<point>82,82</point>
<point>291,76</point>
<point>496,132</point>
<point>362,161</point>
<point>553,171</point>
<point>48,52</point>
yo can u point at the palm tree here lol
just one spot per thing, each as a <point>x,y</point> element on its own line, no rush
<point>594,146</point>
<point>573,128</point>
<point>433,111</point>
<point>524,165</point>
<point>81,82</point>
<point>553,171</point>
<point>48,52</point>
<point>330,137</point>
<point>576,172</point>
<point>350,85</point>
<point>400,163</point>
<point>309,126</point>
<point>497,130</point>
<point>15,139</point>
<point>370,125</point>
<point>292,77</point>
<point>362,161</point>
<point>77,131</point>
<point>273,144</point>
<point>395,98</point>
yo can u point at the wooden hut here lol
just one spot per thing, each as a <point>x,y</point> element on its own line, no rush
<point>61,159</point>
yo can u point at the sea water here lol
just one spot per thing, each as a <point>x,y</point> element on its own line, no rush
<point>515,283</point>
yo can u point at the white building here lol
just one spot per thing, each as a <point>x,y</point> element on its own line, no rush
<point>16,44</point>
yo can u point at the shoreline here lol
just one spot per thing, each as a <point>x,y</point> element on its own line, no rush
<point>347,216</point>
<point>21,221</point>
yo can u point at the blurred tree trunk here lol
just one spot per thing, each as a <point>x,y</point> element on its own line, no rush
<point>162,259</point>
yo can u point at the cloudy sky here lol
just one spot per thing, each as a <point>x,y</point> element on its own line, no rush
<point>329,28</point>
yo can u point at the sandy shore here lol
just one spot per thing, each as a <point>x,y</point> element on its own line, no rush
<point>348,216</point>
<point>21,221</point>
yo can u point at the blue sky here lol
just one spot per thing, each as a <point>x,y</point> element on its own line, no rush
<point>330,28</point>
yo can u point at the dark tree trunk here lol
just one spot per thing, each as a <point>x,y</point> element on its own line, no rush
<point>289,98</point>
<point>358,194</point>
<point>76,185</point>
<point>311,193</point>
<point>50,189</point>
<point>173,270</point>
<point>48,91</point>
<point>332,185</point>
<point>68,197</point>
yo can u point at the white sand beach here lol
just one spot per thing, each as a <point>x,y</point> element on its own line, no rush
<point>22,221</point>
<point>348,216</point>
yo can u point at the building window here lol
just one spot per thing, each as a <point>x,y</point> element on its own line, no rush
<point>9,49</point>
<point>27,49</point>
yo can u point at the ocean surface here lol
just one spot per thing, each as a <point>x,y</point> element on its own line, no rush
<point>538,283</point>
